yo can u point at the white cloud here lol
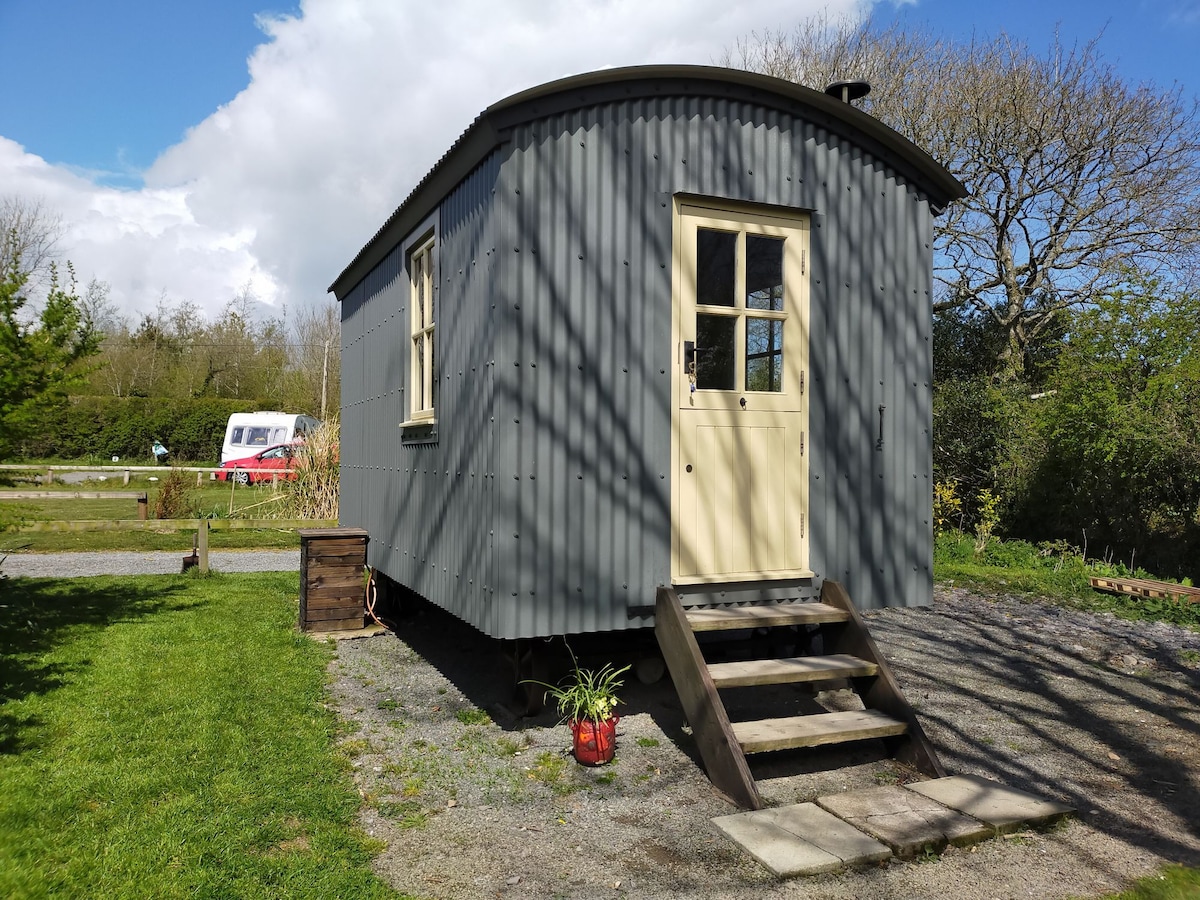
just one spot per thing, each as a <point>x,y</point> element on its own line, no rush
<point>348,105</point>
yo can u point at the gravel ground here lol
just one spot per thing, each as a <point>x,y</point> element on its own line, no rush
<point>154,562</point>
<point>474,801</point>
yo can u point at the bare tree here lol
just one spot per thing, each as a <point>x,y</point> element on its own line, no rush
<point>1076,177</point>
<point>29,237</point>
<point>316,359</point>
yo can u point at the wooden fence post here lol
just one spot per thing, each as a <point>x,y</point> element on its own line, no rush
<point>202,545</point>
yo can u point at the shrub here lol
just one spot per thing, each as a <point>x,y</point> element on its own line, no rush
<point>314,493</point>
<point>174,500</point>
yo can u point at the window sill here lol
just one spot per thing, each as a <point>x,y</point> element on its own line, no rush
<point>419,431</point>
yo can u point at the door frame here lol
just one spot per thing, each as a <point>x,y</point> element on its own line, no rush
<point>738,213</point>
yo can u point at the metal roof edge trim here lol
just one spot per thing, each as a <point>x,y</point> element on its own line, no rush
<point>491,128</point>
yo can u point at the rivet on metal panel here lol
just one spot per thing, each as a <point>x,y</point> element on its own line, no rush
<point>581,256</point>
<point>625,586</point>
<point>661,476</point>
<point>532,477</point>
<point>516,535</point>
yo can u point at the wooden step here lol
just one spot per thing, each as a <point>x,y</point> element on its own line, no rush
<point>811,731</point>
<point>788,671</point>
<point>765,616</point>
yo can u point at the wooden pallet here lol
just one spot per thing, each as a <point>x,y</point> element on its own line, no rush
<point>1144,587</point>
<point>850,656</point>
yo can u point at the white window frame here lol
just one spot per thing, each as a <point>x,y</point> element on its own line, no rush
<point>423,321</point>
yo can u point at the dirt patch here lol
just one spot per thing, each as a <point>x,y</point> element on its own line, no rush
<point>473,800</point>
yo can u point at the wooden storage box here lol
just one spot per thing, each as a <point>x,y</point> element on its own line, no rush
<point>332,591</point>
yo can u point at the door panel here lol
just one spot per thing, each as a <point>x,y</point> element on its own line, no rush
<point>740,485</point>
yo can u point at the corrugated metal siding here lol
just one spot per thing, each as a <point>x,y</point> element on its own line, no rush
<point>580,279</point>
<point>427,507</point>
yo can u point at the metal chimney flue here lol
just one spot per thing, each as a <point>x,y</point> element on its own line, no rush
<point>849,91</point>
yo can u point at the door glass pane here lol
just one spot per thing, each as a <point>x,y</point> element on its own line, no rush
<point>764,354</point>
<point>716,254</point>
<point>716,352</point>
<point>764,272</point>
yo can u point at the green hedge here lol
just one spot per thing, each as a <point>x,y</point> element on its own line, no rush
<point>126,427</point>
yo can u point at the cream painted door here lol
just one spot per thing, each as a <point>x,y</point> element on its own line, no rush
<point>740,470</point>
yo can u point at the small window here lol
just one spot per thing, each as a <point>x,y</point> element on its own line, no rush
<point>422,390</point>
<point>279,435</point>
<point>258,437</point>
<point>238,432</point>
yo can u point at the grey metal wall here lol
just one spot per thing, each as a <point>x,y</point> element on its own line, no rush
<point>427,506</point>
<point>571,528</point>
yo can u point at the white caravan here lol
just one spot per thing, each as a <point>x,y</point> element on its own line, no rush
<point>247,433</point>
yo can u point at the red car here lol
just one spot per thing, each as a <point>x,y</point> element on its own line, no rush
<point>265,465</point>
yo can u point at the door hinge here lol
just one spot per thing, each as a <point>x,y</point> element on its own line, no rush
<point>803,261</point>
<point>801,526</point>
<point>802,443</point>
<point>801,382</point>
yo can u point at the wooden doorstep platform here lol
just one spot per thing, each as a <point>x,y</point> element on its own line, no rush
<point>1144,587</point>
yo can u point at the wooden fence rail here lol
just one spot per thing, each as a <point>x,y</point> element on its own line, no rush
<point>140,496</point>
<point>125,470</point>
<point>201,526</point>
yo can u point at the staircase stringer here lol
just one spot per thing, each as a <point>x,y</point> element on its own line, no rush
<point>723,757</point>
<point>881,692</point>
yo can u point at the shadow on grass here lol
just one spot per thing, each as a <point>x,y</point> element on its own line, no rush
<point>38,614</point>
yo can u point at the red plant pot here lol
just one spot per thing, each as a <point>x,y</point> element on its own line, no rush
<point>594,744</point>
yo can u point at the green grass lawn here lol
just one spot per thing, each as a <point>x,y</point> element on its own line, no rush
<point>1172,883</point>
<point>165,736</point>
<point>1055,573</point>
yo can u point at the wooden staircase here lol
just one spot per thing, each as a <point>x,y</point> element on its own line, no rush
<point>849,654</point>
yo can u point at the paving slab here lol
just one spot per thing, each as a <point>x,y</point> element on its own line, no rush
<point>802,839</point>
<point>906,821</point>
<point>1000,807</point>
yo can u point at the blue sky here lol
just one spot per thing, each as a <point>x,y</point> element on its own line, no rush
<point>197,149</point>
<point>107,85</point>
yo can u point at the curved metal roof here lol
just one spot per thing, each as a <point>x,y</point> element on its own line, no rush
<point>491,128</point>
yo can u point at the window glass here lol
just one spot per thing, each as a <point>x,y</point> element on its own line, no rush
<point>764,354</point>
<point>716,346</point>
<point>419,372</point>
<point>237,435</point>
<point>258,436</point>
<point>423,371</point>
<point>419,292</point>
<point>716,267</point>
<point>764,272</point>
